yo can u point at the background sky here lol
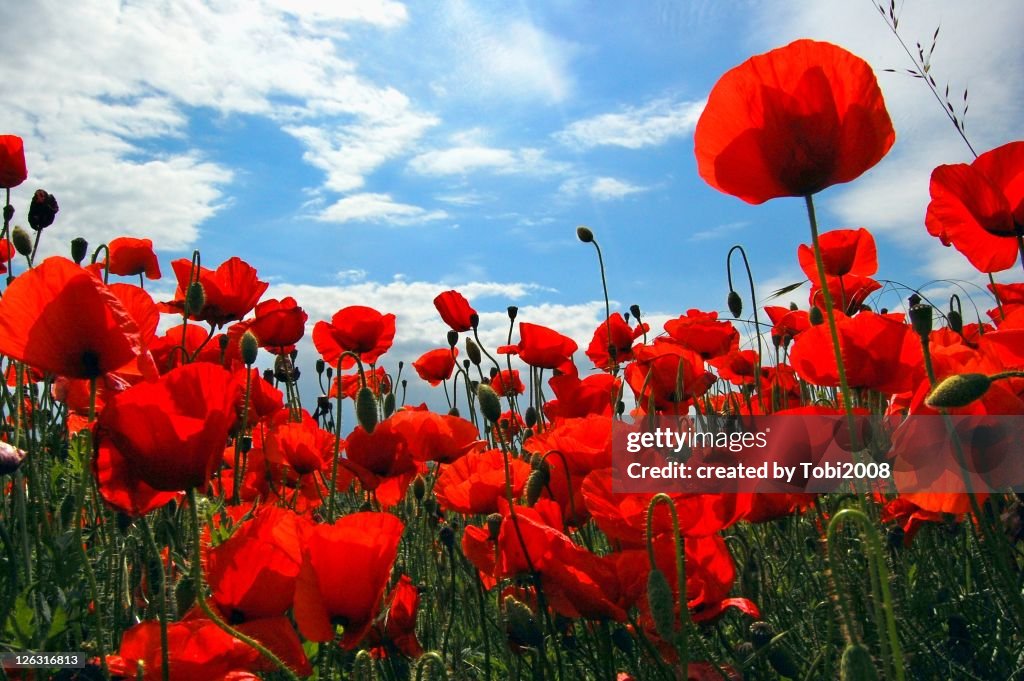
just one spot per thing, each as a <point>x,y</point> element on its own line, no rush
<point>377,152</point>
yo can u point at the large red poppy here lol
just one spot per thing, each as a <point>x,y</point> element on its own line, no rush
<point>542,347</point>
<point>61,319</point>
<point>455,310</point>
<point>12,161</point>
<point>357,329</point>
<point>345,568</point>
<point>278,323</point>
<point>164,437</point>
<point>305,447</point>
<point>703,333</point>
<point>792,122</point>
<point>434,437</point>
<point>614,333</point>
<point>843,252</point>
<point>434,366</point>
<point>131,257</point>
<point>474,483</point>
<point>979,208</point>
<point>232,290</point>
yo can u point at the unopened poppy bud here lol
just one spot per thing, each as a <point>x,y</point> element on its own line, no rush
<point>366,409</point>
<point>584,234</point>
<point>195,298</point>
<point>466,364</point>
<point>43,210</point>
<point>320,366</point>
<point>914,299</point>
<point>735,304</point>
<point>79,249</point>
<point>8,212</point>
<point>535,485</point>
<point>328,372</point>
<point>453,338</point>
<point>447,536</point>
<point>659,597</point>
<point>530,416</point>
<point>815,316</point>
<point>513,311</point>
<point>419,487</point>
<point>21,240</point>
<point>283,369</point>
<point>921,319</point>
<point>10,458</point>
<point>250,348</point>
<point>473,351</point>
<point>634,310</point>
<point>856,664</point>
<point>494,526</point>
<point>620,408</point>
<point>761,634</point>
<point>490,405</point>
<point>474,320</point>
<point>956,322</point>
<point>389,404</point>
<point>958,390</point>
<point>430,506</point>
<point>245,444</point>
<point>454,411</point>
<point>520,624</point>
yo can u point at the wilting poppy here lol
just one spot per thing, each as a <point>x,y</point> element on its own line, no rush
<point>542,347</point>
<point>979,208</point>
<point>474,483</point>
<point>12,161</point>
<point>130,257</point>
<point>357,329</point>
<point>843,251</point>
<point>60,319</point>
<point>455,310</point>
<point>164,436</point>
<point>345,569</point>
<point>434,366</point>
<point>43,210</point>
<point>792,122</point>
<point>278,323</point>
<point>232,290</point>
<point>396,630</point>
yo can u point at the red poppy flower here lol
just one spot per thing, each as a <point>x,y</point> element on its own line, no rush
<point>166,349</point>
<point>377,381</point>
<point>12,161</point>
<point>435,366</point>
<point>792,122</point>
<point>165,436</point>
<point>232,290</point>
<point>844,251</point>
<point>345,568</point>
<point>507,383</point>
<point>542,347</point>
<point>434,437</point>
<point>615,333</point>
<point>358,329</point>
<point>6,254</point>
<point>668,372</point>
<point>979,208</point>
<point>848,293</point>
<point>576,398</point>
<point>396,629</point>
<point>60,319</point>
<point>305,446</point>
<point>455,310</point>
<point>703,333</point>
<point>474,483</point>
<point>787,323</point>
<point>278,323</point>
<point>380,456</point>
<point>131,257</point>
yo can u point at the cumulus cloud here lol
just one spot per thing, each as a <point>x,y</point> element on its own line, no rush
<point>371,207</point>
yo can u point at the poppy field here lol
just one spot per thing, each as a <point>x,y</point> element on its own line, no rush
<point>172,510</point>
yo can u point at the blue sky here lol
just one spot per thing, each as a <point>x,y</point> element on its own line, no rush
<point>379,152</point>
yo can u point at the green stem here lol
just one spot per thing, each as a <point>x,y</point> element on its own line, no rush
<point>161,599</point>
<point>682,640</point>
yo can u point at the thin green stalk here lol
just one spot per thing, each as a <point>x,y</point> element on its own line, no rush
<point>161,591</point>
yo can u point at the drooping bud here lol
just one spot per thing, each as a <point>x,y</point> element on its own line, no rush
<point>815,316</point>
<point>21,240</point>
<point>520,624</point>
<point>535,484</point>
<point>453,338</point>
<point>79,249</point>
<point>735,304</point>
<point>250,348</point>
<point>490,404</point>
<point>584,234</point>
<point>320,366</point>
<point>921,319</point>
<point>389,404</point>
<point>958,390</point>
<point>856,664</point>
<point>366,409</point>
<point>195,298</point>
<point>956,322</point>
<point>659,597</point>
<point>634,310</point>
<point>473,351</point>
<point>474,320</point>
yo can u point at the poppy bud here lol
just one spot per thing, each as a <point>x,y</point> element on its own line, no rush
<point>328,372</point>
<point>584,234</point>
<point>454,411</point>
<point>520,624</point>
<point>530,416</point>
<point>473,352</point>
<point>250,347</point>
<point>634,310</point>
<point>856,664</point>
<point>815,316</point>
<point>735,304</point>
<point>761,634</point>
<point>320,365</point>
<point>466,364</point>
<point>195,298</point>
<point>22,241</point>
<point>921,319</point>
<point>659,597</point>
<point>512,312</point>
<point>366,409</point>
<point>268,376</point>
<point>447,536</point>
<point>494,526</point>
<point>8,212</point>
<point>958,390</point>
<point>490,405</point>
<point>419,487</point>
<point>430,506</point>
<point>453,338</point>
<point>956,322</point>
<point>389,404</point>
<point>42,211</point>
<point>914,299</point>
<point>535,484</point>
<point>79,249</point>
<point>474,320</point>
<point>10,458</point>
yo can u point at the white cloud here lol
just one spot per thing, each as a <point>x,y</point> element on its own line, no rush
<point>462,160</point>
<point>371,207</point>
<point>599,188</point>
<point>719,231</point>
<point>652,124</point>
